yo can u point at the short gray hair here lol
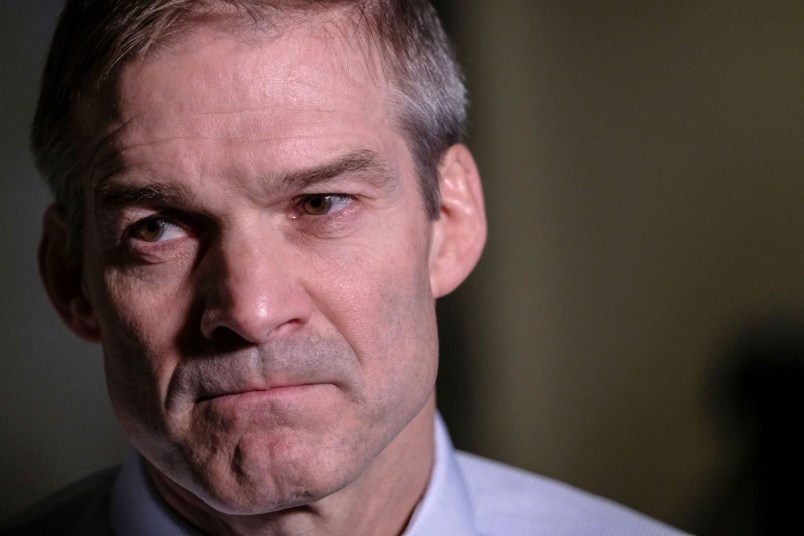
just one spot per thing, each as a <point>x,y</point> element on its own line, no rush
<point>95,37</point>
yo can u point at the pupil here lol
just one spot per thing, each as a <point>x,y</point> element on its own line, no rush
<point>319,204</point>
<point>149,230</point>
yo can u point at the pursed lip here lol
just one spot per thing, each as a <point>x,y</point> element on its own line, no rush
<point>278,389</point>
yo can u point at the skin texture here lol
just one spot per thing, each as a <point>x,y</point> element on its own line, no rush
<point>261,274</point>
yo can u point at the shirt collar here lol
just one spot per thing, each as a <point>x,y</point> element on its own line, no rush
<point>445,508</point>
<point>136,507</point>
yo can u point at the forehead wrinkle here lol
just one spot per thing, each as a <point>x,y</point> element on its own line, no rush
<point>238,123</point>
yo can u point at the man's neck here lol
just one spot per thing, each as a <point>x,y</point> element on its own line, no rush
<point>379,502</point>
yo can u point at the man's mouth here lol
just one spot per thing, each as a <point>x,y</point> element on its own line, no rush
<point>277,392</point>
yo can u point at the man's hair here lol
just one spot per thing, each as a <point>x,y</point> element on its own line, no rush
<point>94,38</point>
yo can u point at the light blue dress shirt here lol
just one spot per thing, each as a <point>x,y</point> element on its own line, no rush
<point>467,496</point>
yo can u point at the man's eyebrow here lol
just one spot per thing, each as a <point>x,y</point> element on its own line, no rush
<point>119,194</point>
<point>365,164</point>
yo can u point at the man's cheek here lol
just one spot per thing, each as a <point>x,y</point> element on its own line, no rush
<point>142,304</point>
<point>139,352</point>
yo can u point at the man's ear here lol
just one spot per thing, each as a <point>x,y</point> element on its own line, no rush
<point>459,234</point>
<point>63,279</point>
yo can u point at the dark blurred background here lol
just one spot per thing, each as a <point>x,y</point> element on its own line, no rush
<point>635,326</point>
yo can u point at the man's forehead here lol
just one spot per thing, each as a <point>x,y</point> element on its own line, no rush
<point>242,70</point>
<point>295,48</point>
<point>240,85</point>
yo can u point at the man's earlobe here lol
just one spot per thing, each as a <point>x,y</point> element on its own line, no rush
<point>62,277</point>
<point>460,232</point>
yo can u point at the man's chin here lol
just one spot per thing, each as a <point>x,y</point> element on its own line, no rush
<point>252,484</point>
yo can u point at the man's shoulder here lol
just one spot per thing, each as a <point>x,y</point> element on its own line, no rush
<point>508,500</point>
<point>82,508</point>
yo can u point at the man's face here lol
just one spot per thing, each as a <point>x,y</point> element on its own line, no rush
<point>258,260</point>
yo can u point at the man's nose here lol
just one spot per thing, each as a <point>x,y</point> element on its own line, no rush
<point>252,289</point>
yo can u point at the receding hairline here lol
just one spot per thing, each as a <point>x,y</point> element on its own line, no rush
<point>249,22</point>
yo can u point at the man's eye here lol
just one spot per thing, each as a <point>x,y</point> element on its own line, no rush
<point>322,204</point>
<point>155,230</point>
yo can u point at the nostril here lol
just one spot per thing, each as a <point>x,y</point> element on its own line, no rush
<point>222,335</point>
